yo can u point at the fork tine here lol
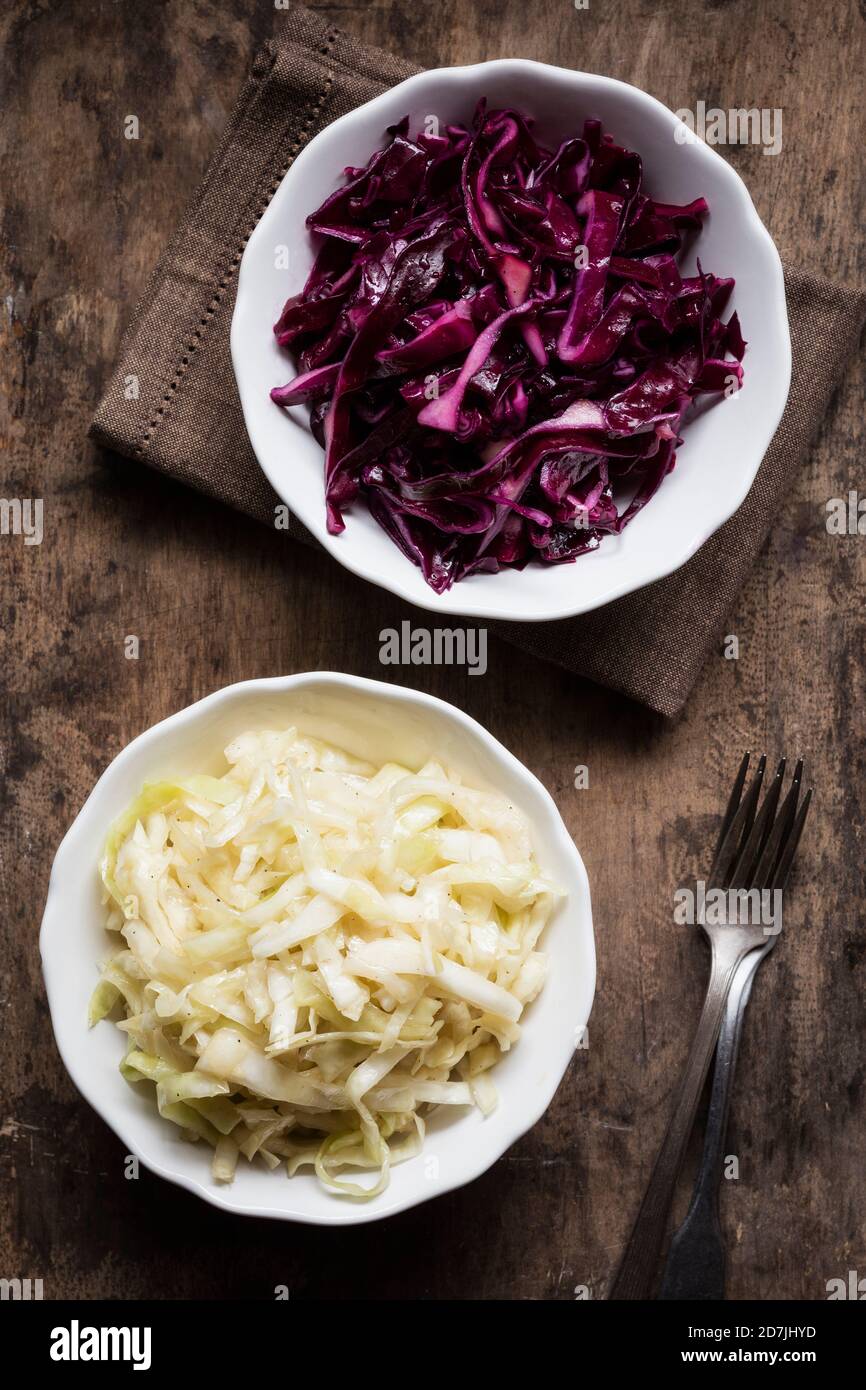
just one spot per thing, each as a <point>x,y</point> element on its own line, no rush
<point>733,803</point>
<point>766,865</point>
<point>747,860</point>
<point>738,830</point>
<point>781,875</point>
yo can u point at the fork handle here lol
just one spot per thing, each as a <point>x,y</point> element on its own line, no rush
<point>695,1267</point>
<point>636,1275</point>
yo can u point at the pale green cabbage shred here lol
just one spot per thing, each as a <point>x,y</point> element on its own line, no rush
<point>318,951</point>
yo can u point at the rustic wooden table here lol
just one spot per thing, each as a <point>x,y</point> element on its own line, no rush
<point>215,598</point>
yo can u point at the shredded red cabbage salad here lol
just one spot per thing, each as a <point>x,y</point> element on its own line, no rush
<point>495,339</point>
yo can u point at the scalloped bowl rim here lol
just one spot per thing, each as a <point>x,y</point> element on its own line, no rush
<point>77,857</point>
<point>483,595</point>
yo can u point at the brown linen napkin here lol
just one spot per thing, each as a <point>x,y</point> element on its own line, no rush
<point>172,402</point>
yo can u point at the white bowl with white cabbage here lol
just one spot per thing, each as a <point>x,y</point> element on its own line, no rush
<point>318,948</point>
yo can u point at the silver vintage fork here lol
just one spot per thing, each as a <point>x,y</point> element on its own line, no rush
<point>756,851</point>
<point>695,1267</point>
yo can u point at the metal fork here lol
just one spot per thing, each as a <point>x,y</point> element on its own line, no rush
<point>756,851</point>
<point>695,1267</point>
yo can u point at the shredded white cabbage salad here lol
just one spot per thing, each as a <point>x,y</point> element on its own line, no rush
<point>318,951</point>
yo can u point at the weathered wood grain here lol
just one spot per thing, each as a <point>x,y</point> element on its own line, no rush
<point>214,599</point>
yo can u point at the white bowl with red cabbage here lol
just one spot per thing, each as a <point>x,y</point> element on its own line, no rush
<point>506,345</point>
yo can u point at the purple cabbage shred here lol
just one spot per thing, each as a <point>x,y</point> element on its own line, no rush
<point>497,346</point>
